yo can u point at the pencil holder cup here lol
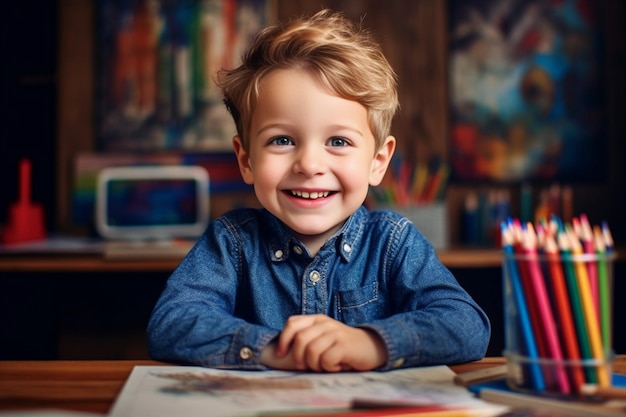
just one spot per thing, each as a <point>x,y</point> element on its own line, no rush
<point>430,219</point>
<point>558,322</point>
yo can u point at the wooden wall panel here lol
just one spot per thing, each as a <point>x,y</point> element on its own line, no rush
<point>411,34</point>
<point>75,95</point>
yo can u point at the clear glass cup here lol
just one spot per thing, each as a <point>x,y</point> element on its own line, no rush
<point>558,321</point>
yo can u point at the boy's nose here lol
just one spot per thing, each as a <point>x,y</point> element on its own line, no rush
<point>310,161</point>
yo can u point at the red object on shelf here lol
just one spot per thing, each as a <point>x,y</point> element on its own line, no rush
<point>25,219</point>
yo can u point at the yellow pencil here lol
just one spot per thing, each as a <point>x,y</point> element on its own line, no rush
<point>419,181</point>
<point>589,310</point>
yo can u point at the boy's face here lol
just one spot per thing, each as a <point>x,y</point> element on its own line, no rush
<point>311,155</point>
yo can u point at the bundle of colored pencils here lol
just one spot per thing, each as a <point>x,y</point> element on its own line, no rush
<point>558,280</point>
<point>412,184</point>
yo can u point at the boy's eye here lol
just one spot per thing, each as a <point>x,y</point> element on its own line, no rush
<point>282,141</point>
<point>338,142</point>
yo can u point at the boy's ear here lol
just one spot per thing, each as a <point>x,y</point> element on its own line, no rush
<point>381,160</point>
<point>243,159</point>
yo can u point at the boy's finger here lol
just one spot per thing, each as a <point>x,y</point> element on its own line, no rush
<point>293,326</point>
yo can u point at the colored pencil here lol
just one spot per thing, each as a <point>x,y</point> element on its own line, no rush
<point>608,237</point>
<point>391,411</point>
<point>420,177</point>
<point>589,310</point>
<point>522,310</point>
<point>436,181</point>
<point>575,301</point>
<point>531,301</point>
<point>563,310</point>
<point>408,184</point>
<point>518,233</point>
<point>565,301</point>
<point>586,237</point>
<point>604,289</point>
<point>403,184</point>
<point>539,292</point>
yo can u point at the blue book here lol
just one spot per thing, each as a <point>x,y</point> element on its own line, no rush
<point>501,385</point>
<point>498,391</point>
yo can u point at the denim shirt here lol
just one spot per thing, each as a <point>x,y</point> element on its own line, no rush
<point>247,274</point>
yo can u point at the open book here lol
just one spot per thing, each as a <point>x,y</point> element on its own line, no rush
<point>184,391</point>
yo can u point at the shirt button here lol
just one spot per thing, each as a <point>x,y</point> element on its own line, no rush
<point>278,254</point>
<point>245,353</point>
<point>314,276</point>
<point>347,247</point>
<point>298,250</point>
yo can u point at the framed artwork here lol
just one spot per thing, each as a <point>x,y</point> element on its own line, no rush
<point>156,64</point>
<point>527,98</point>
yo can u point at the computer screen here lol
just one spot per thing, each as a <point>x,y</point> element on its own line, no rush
<point>152,202</point>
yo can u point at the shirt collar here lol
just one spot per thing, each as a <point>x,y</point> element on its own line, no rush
<point>281,242</point>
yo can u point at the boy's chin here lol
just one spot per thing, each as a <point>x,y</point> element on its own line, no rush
<point>313,231</point>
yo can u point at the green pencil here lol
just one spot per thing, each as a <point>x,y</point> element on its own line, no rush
<point>577,308</point>
<point>604,290</point>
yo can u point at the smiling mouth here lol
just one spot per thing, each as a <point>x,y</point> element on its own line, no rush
<point>313,195</point>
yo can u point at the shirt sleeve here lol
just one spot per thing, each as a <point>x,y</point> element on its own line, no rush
<point>435,320</point>
<point>193,321</point>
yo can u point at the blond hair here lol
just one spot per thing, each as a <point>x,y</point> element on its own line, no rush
<point>340,54</point>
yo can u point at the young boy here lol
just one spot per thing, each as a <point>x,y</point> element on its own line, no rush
<point>313,281</point>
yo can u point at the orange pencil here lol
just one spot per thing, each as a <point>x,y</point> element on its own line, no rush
<point>563,310</point>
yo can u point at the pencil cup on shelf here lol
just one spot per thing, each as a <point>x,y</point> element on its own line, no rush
<point>430,219</point>
<point>558,321</point>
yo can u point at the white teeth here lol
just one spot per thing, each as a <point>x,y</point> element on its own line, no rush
<point>314,195</point>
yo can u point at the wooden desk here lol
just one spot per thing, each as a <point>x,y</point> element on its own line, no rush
<point>69,385</point>
<point>84,263</point>
<point>94,385</point>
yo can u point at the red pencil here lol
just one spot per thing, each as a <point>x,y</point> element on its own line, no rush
<point>538,291</point>
<point>533,311</point>
<point>563,310</point>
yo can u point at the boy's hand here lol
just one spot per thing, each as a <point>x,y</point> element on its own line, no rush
<point>322,344</point>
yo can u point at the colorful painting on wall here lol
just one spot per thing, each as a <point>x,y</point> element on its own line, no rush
<point>527,98</point>
<point>156,63</point>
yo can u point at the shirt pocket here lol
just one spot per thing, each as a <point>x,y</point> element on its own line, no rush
<point>357,306</point>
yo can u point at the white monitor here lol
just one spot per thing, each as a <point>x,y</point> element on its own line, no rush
<point>152,202</point>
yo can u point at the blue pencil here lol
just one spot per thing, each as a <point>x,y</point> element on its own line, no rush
<point>527,333</point>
